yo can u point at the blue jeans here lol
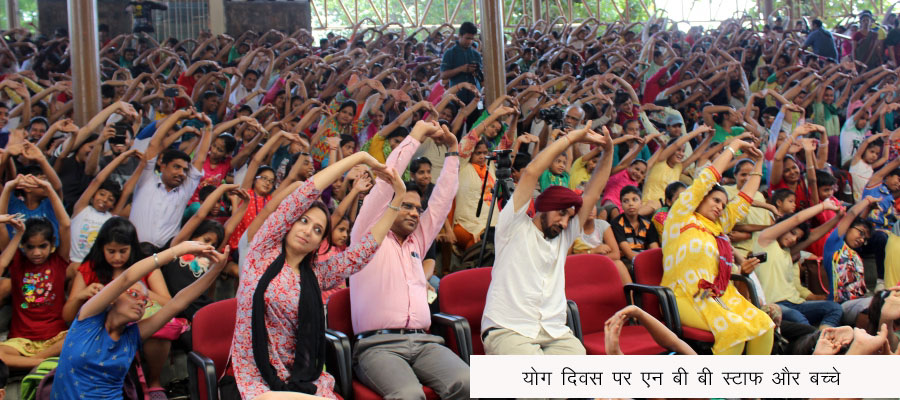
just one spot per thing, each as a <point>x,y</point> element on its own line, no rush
<point>815,313</point>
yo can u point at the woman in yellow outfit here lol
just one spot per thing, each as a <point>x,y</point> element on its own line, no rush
<point>697,260</point>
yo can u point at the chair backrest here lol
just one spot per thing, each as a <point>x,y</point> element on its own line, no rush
<point>464,293</point>
<point>212,331</point>
<point>593,282</point>
<point>648,270</point>
<point>338,315</point>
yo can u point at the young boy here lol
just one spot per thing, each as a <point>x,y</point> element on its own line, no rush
<point>784,200</point>
<point>825,189</point>
<point>557,174</point>
<point>634,232</point>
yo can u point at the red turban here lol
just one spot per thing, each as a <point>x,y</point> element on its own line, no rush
<point>557,198</point>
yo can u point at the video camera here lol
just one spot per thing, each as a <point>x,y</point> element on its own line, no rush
<point>553,116</point>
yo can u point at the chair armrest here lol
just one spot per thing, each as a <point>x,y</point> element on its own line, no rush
<point>666,299</point>
<point>751,287</point>
<point>573,319</point>
<point>195,361</point>
<point>337,361</point>
<point>461,330</point>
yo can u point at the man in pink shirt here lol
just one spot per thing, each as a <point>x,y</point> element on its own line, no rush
<point>388,298</point>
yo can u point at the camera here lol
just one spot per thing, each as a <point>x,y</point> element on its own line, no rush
<point>478,73</point>
<point>553,116</point>
<point>502,163</point>
<point>170,92</point>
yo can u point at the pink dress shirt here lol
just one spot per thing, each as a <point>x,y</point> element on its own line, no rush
<point>390,292</point>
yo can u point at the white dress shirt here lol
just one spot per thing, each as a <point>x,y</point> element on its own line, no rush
<point>155,211</point>
<point>528,285</point>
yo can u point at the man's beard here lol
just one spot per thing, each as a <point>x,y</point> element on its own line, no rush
<point>547,229</point>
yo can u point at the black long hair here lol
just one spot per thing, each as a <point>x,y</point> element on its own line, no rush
<point>114,230</point>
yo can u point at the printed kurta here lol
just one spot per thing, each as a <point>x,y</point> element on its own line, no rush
<point>283,294</point>
<point>691,254</point>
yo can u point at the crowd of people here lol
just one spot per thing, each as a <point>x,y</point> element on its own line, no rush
<point>277,169</point>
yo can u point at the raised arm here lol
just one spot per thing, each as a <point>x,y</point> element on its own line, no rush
<point>594,188</point>
<point>98,180</point>
<point>774,232</point>
<point>528,181</point>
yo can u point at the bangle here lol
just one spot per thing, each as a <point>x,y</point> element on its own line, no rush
<point>733,152</point>
<point>392,207</point>
<point>759,174</point>
<point>451,153</point>
<point>156,260</point>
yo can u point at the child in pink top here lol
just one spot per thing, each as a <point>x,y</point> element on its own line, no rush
<point>633,175</point>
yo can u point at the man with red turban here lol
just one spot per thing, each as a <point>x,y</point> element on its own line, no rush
<point>525,312</point>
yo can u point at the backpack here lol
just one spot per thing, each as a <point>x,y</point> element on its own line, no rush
<point>470,257</point>
<point>32,381</point>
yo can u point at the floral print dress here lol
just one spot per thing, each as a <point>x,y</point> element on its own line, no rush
<point>283,294</point>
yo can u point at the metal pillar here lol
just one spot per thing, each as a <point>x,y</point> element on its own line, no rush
<point>85,59</point>
<point>492,51</point>
<point>12,13</point>
<point>217,16</point>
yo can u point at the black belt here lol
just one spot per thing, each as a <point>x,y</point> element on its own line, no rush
<point>390,331</point>
<point>485,333</point>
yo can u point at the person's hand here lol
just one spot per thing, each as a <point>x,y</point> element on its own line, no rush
<point>107,133</point>
<point>749,265</point>
<point>601,249</point>
<point>809,144</point>
<point>527,138</point>
<point>742,145</point>
<point>196,248</point>
<point>333,142</point>
<point>774,312</point>
<point>446,237</point>
<point>871,200</point>
<point>611,331</point>
<point>367,159</point>
<point>828,344</point>
<point>815,297</point>
<point>424,129</point>
<point>65,125</point>
<point>830,205</point>
<point>393,177</point>
<point>866,344</point>
<point>90,291</point>
<point>218,260</point>
<point>32,152</point>
<point>363,183</point>
<point>449,139</point>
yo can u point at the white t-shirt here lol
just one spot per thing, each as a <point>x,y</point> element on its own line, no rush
<point>84,229</point>
<point>595,238</point>
<point>528,286</point>
<point>860,172</point>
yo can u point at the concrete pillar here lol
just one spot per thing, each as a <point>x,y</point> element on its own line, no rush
<point>85,59</point>
<point>12,13</point>
<point>217,17</point>
<point>492,53</point>
<point>535,10</point>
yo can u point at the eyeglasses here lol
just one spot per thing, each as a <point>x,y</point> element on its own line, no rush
<point>265,179</point>
<point>863,234</point>
<point>411,207</point>
<point>136,295</point>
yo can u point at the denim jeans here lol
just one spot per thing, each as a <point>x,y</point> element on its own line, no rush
<point>815,313</point>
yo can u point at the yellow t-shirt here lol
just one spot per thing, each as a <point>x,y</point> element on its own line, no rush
<point>660,176</point>
<point>779,276</point>
<point>578,174</point>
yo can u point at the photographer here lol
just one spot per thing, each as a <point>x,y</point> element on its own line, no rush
<point>462,63</point>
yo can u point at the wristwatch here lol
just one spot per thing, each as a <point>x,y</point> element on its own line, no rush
<point>451,153</point>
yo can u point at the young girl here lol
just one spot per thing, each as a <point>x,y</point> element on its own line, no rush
<point>281,262</point>
<point>872,154</point>
<point>185,270</point>
<point>598,238</point>
<point>219,162</point>
<point>116,249</point>
<point>93,209</point>
<point>778,275</point>
<point>37,273</point>
<point>672,191</point>
<point>109,328</point>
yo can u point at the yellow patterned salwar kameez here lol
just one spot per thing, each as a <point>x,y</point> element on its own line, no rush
<point>690,254</point>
